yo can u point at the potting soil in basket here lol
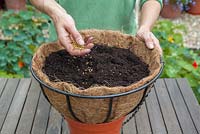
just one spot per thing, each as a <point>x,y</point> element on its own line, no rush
<point>108,66</point>
<point>125,72</point>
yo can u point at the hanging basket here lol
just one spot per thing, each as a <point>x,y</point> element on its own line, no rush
<point>99,104</point>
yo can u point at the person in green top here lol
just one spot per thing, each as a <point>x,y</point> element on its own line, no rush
<point>99,14</point>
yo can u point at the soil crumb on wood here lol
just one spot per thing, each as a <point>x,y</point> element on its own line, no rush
<point>109,66</point>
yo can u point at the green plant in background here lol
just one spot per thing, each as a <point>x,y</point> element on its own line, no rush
<point>20,34</point>
<point>179,61</point>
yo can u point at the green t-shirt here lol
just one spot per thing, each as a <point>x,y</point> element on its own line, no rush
<point>101,14</point>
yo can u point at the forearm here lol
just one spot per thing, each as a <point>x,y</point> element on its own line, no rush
<point>50,7</point>
<point>149,14</point>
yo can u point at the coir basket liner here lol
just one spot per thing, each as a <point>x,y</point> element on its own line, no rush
<point>100,103</point>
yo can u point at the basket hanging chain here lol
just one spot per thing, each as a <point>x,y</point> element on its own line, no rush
<point>134,111</point>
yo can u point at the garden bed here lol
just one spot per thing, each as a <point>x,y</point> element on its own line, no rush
<point>191,22</point>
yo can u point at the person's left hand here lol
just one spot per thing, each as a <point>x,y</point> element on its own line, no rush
<point>149,38</point>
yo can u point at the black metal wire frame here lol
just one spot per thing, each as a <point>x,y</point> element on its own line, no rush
<point>109,110</point>
<point>44,93</point>
<point>68,95</point>
<point>98,97</point>
<point>70,108</point>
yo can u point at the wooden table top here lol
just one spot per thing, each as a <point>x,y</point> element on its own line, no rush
<point>171,107</point>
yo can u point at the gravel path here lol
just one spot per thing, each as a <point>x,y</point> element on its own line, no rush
<point>192,23</point>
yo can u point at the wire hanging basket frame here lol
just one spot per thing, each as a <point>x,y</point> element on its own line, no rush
<point>144,87</point>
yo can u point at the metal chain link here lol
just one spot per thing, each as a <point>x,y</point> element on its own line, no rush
<point>133,113</point>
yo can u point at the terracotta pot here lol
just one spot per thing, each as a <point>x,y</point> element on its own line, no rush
<point>113,127</point>
<point>1,4</point>
<point>194,8</point>
<point>16,4</point>
<point>171,11</point>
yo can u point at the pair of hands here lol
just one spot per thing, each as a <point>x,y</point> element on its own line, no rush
<point>67,32</point>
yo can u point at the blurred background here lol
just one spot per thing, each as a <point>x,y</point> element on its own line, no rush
<point>23,29</point>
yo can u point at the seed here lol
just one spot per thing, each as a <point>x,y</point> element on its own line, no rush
<point>77,46</point>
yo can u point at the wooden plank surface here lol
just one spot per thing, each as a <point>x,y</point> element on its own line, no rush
<point>142,121</point>
<point>130,127</point>
<point>41,117</point>
<point>27,117</point>
<point>6,99</point>
<point>183,115</point>
<point>170,108</point>
<point>155,115</point>
<point>191,102</point>
<point>14,112</point>
<point>2,85</point>
<point>169,115</point>
<point>65,129</point>
<point>54,124</point>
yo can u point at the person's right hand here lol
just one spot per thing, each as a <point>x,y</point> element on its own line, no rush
<point>67,33</point>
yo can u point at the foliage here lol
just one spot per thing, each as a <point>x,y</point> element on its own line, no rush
<point>179,61</point>
<point>20,34</point>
